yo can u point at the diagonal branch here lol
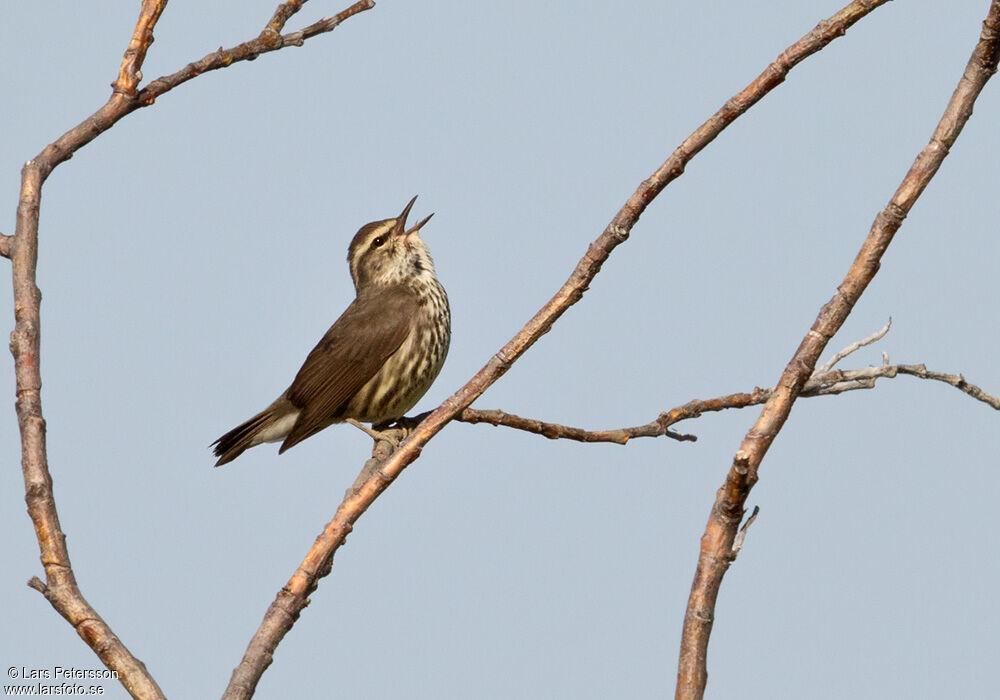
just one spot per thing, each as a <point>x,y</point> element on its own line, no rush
<point>292,598</point>
<point>60,586</point>
<point>727,512</point>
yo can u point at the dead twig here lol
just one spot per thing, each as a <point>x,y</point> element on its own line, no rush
<point>956,380</point>
<point>727,512</point>
<point>854,347</point>
<point>742,535</point>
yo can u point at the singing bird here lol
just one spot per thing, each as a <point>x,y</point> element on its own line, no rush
<point>378,359</point>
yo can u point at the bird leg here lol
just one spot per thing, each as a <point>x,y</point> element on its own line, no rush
<point>377,435</point>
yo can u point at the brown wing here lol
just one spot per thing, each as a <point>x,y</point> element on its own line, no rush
<point>351,353</point>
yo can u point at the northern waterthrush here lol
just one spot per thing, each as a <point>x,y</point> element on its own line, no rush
<point>377,359</point>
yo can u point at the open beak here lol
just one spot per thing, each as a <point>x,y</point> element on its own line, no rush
<point>420,223</point>
<point>400,228</point>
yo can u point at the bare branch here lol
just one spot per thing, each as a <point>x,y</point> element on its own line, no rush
<point>247,51</point>
<point>720,532</point>
<point>60,587</point>
<point>283,612</point>
<point>820,384</point>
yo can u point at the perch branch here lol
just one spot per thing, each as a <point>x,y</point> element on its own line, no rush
<point>60,587</point>
<point>727,512</point>
<point>555,431</point>
<point>284,611</point>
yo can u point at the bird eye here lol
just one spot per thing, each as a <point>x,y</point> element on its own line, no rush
<point>378,241</point>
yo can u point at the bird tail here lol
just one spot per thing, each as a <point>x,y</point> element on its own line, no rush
<point>243,436</point>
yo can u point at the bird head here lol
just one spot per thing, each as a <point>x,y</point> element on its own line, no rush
<point>385,252</point>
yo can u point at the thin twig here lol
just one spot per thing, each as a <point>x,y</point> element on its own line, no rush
<point>60,587</point>
<point>727,512</point>
<point>283,612</point>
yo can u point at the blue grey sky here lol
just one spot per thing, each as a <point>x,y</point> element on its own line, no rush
<point>191,257</point>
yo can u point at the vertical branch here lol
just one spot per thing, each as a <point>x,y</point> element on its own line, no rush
<point>60,587</point>
<point>717,551</point>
